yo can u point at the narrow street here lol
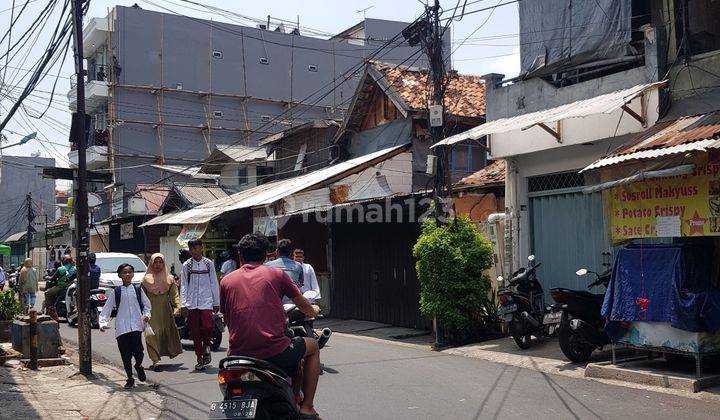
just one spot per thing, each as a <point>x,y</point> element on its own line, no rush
<point>420,384</point>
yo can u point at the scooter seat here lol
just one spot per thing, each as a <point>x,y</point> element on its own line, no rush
<point>95,291</point>
<point>249,362</point>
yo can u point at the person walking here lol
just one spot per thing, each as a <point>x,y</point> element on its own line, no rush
<point>160,288</point>
<point>199,298</point>
<point>28,284</point>
<point>2,279</point>
<point>133,311</point>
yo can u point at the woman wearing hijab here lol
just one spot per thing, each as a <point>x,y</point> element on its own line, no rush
<point>160,288</point>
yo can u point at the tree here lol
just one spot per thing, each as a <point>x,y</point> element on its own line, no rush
<point>451,261</point>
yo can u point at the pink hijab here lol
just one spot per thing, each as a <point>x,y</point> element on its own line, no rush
<point>157,282</point>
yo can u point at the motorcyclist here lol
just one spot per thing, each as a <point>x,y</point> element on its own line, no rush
<point>62,279</point>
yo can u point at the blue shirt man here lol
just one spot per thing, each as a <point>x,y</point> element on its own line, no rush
<point>284,261</point>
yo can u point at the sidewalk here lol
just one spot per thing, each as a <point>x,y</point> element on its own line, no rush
<point>57,393</point>
<point>377,331</point>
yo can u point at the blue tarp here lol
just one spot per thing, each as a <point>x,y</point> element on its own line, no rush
<point>675,280</point>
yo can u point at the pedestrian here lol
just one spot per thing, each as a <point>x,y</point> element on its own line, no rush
<point>229,265</point>
<point>160,288</point>
<point>251,301</point>
<point>284,261</point>
<point>133,311</point>
<point>2,278</point>
<point>311,281</point>
<point>28,284</point>
<point>199,298</point>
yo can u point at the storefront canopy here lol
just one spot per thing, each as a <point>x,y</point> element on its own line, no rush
<point>271,192</point>
<point>603,104</point>
<point>4,250</point>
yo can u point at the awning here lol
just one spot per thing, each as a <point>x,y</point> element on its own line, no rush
<point>5,250</point>
<point>687,134</point>
<point>15,237</point>
<point>603,104</point>
<point>273,191</point>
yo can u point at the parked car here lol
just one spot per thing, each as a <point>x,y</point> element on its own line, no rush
<point>109,262</point>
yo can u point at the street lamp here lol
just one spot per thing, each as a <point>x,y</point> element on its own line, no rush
<point>22,141</point>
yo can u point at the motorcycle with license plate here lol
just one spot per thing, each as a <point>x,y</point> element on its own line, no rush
<point>581,326</point>
<point>522,306</point>
<point>256,389</point>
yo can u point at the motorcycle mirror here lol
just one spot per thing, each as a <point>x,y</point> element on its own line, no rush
<point>500,279</point>
<point>581,272</point>
<point>531,258</point>
<point>310,294</point>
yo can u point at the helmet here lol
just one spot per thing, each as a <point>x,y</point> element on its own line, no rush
<point>92,258</point>
<point>67,259</point>
<point>184,255</point>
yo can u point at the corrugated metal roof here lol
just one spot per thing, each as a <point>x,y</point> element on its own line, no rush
<point>273,191</point>
<point>693,133</point>
<point>153,194</point>
<point>16,236</point>
<point>297,129</point>
<point>603,104</point>
<point>193,171</point>
<point>196,194</point>
<point>242,153</point>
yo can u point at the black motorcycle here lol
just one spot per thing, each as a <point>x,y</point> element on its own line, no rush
<point>256,389</point>
<point>522,306</point>
<point>298,325</point>
<point>181,323</point>
<point>581,326</point>
<point>96,302</point>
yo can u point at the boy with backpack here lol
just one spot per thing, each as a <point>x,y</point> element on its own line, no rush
<point>132,308</point>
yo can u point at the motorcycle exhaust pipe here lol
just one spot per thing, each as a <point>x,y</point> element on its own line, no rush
<point>532,321</point>
<point>324,337</point>
<point>589,333</point>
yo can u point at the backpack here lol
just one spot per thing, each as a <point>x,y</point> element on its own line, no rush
<point>118,295</point>
<point>187,266</point>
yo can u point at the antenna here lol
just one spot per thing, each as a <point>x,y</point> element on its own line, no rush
<point>364,11</point>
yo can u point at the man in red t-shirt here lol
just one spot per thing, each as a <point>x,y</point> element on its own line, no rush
<point>251,301</point>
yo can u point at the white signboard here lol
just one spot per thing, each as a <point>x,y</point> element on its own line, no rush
<point>667,226</point>
<point>126,230</point>
<point>265,225</point>
<point>118,203</point>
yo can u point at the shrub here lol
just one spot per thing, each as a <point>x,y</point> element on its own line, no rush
<point>9,306</point>
<point>450,263</point>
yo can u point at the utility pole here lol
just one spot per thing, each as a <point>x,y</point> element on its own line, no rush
<point>428,33</point>
<point>81,236</point>
<point>30,217</point>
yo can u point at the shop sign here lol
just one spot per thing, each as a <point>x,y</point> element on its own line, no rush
<point>683,205</point>
<point>190,232</point>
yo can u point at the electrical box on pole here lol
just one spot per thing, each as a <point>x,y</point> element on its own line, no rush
<point>436,116</point>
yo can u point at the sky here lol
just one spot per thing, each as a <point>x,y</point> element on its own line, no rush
<point>483,42</point>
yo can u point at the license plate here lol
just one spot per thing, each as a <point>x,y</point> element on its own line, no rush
<point>233,409</point>
<point>506,309</point>
<point>552,318</point>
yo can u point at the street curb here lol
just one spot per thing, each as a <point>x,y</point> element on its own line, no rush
<point>385,341</point>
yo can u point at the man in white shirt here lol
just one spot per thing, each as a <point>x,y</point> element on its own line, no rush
<point>311,281</point>
<point>199,298</point>
<point>133,313</point>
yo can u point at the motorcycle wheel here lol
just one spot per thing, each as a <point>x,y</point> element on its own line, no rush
<point>72,322</point>
<point>518,331</point>
<point>215,340</point>
<point>571,346</point>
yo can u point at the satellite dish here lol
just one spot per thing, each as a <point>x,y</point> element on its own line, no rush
<point>94,200</point>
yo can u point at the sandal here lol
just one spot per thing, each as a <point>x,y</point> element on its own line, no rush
<point>199,367</point>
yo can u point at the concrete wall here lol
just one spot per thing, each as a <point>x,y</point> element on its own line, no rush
<point>157,49</point>
<point>19,176</point>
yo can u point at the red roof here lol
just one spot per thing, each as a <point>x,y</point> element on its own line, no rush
<point>493,174</point>
<point>676,132</point>
<point>154,195</point>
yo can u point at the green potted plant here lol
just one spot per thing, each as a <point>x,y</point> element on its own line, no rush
<point>9,308</point>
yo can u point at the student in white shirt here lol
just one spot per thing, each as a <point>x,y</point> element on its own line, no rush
<point>311,281</point>
<point>199,298</point>
<point>133,313</point>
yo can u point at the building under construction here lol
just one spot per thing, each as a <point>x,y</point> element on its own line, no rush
<point>163,90</point>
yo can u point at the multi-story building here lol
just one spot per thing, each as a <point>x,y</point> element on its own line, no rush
<point>165,89</point>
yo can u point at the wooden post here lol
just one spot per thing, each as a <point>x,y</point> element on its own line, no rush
<point>33,340</point>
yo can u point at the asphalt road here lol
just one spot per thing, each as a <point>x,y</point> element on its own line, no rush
<point>374,380</point>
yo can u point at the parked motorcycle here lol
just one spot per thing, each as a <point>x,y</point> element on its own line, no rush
<point>96,302</point>
<point>522,306</point>
<point>13,277</point>
<point>184,330</point>
<point>256,389</point>
<point>582,325</point>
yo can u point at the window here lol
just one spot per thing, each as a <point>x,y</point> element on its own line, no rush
<point>217,54</point>
<point>264,174</point>
<point>242,175</point>
<point>217,114</point>
<point>312,67</point>
<point>264,60</point>
<point>557,181</point>
<point>265,118</point>
<point>467,158</point>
